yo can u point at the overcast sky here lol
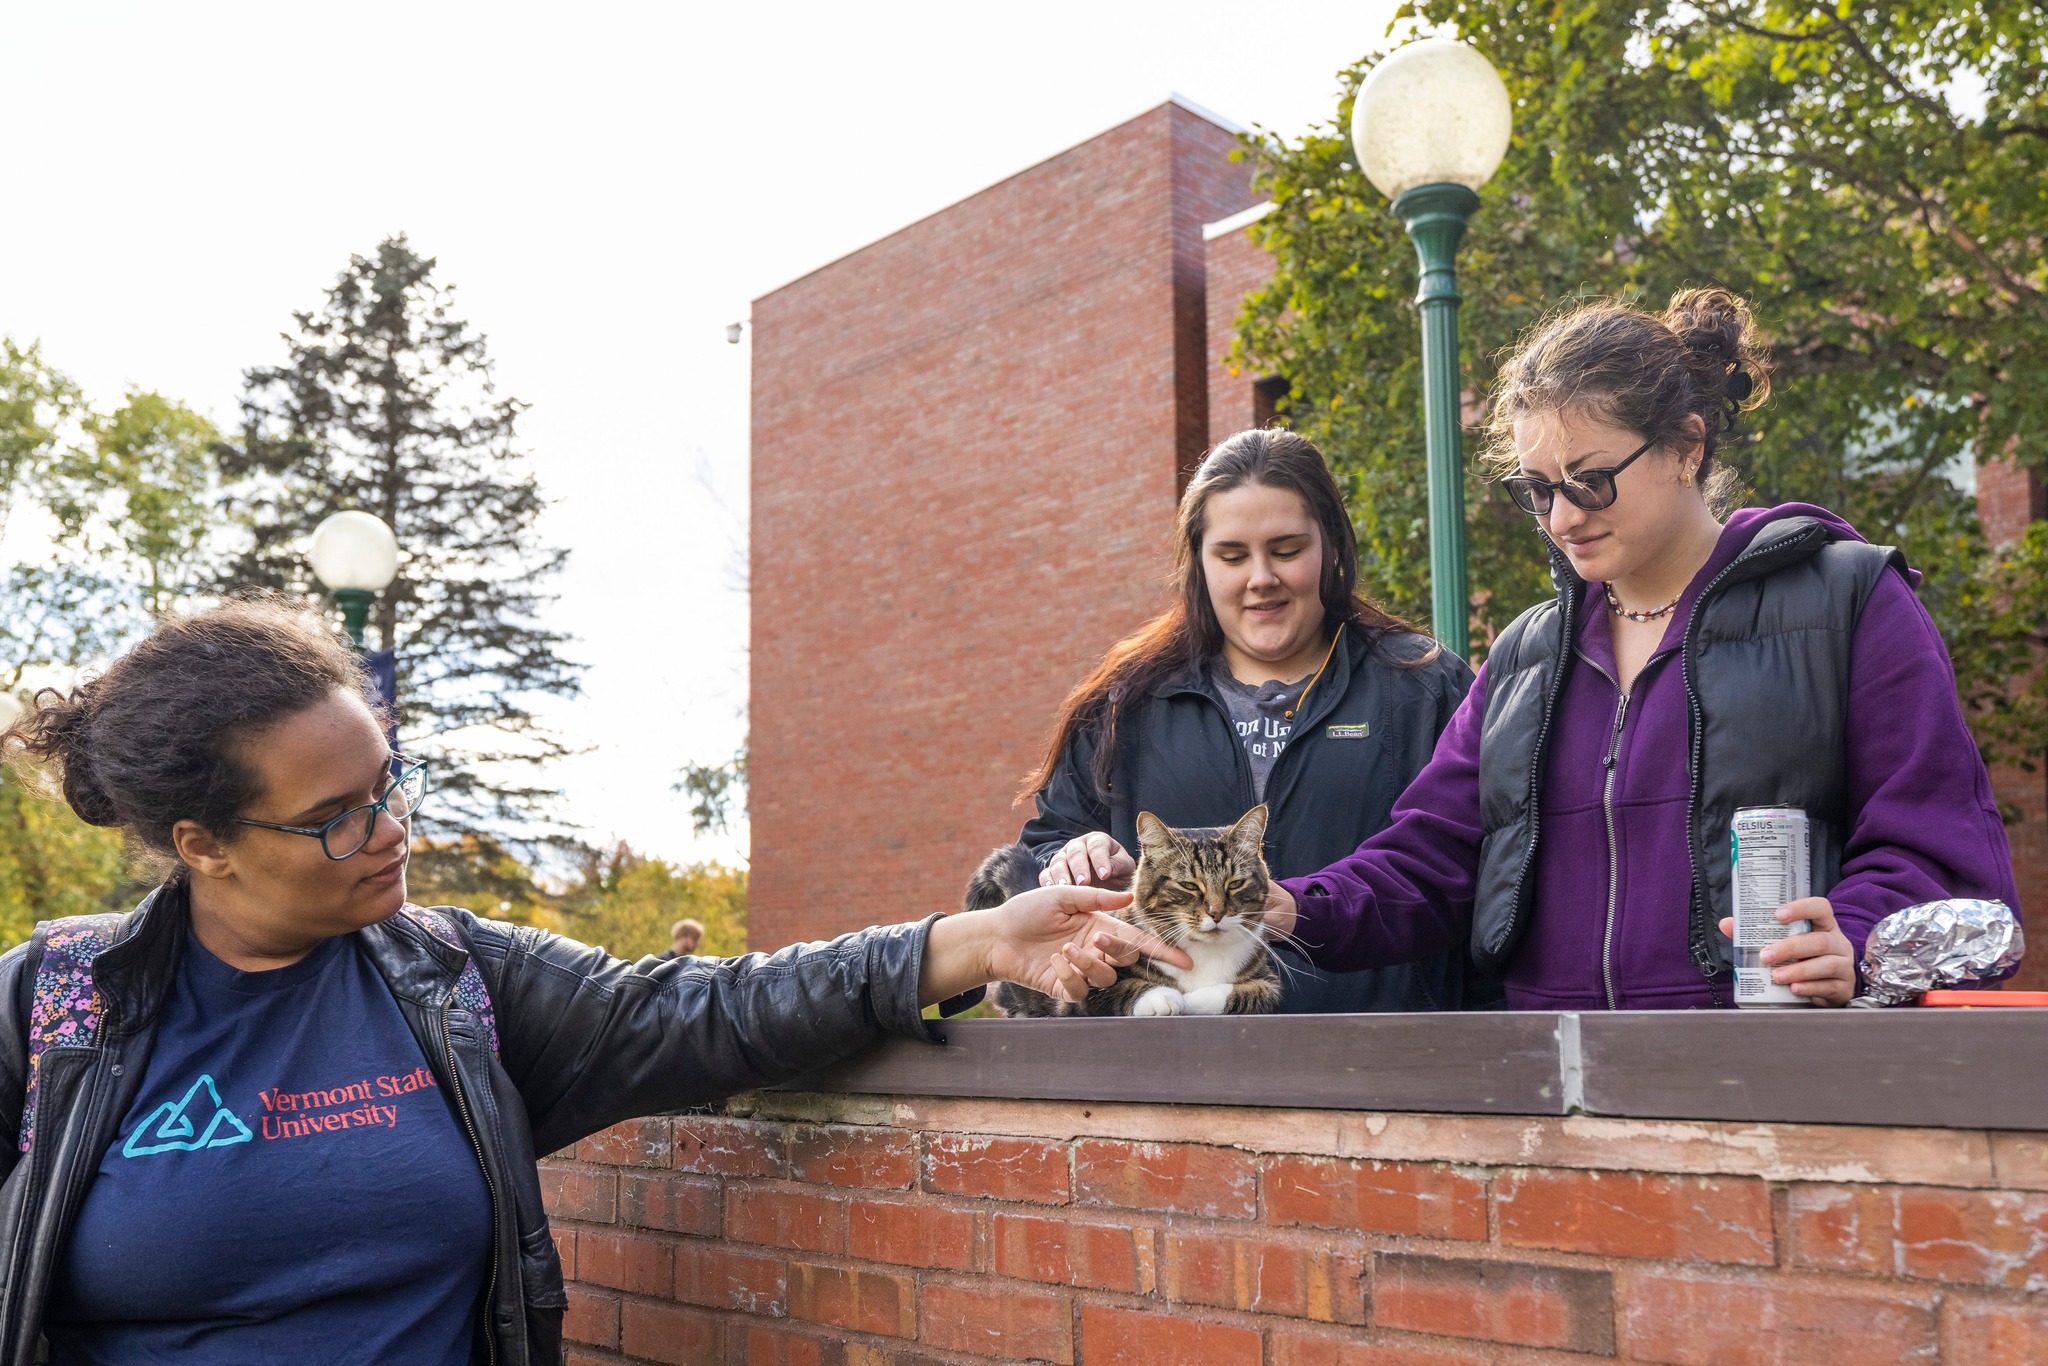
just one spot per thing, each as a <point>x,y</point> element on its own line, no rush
<point>607,186</point>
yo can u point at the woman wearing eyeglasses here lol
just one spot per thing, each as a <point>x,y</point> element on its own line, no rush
<point>1574,820</point>
<point>277,1111</point>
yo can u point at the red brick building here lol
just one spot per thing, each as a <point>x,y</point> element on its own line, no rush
<point>968,439</point>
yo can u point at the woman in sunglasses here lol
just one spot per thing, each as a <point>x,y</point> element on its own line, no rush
<point>1575,818</point>
<point>276,1109</point>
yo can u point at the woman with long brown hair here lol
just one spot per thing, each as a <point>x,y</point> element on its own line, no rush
<point>1268,678</point>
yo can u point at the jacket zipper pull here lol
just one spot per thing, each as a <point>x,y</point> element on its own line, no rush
<point>1613,754</point>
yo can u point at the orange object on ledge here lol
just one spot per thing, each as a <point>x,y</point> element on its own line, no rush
<point>1972,1000</point>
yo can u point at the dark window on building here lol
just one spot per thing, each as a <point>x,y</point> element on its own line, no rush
<point>1266,396</point>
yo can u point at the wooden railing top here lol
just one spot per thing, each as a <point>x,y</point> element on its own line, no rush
<point>1965,1069</point>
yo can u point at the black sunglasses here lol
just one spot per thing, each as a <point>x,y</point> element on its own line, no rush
<point>345,835</point>
<point>1589,489</point>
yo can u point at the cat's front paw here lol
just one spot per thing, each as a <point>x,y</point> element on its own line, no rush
<point>1213,1000</point>
<point>1160,1001</point>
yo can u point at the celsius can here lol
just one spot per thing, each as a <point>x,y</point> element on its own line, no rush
<point>1773,865</point>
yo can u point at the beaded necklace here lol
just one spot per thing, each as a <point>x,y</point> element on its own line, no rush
<point>1650,615</point>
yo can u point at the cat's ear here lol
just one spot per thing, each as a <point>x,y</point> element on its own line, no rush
<point>1250,831</point>
<point>1153,833</point>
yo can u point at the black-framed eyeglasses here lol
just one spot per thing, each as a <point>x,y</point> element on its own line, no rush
<point>345,835</point>
<point>1589,489</point>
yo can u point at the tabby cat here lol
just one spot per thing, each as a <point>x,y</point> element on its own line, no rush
<point>1200,889</point>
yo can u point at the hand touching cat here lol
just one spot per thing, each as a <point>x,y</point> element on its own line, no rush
<point>1281,912</point>
<point>1056,940</point>
<point>1093,859</point>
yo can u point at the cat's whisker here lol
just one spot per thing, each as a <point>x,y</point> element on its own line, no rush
<point>1272,933</point>
<point>1292,971</point>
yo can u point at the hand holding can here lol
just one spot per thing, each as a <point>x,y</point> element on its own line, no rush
<point>1813,963</point>
<point>1772,867</point>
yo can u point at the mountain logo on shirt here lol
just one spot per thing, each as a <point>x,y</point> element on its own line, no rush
<point>170,1128</point>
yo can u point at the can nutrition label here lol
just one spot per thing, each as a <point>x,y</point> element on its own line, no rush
<point>1772,866</point>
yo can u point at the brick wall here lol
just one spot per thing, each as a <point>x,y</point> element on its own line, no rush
<point>2029,837</point>
<point>1236,267</point>
<point>914,1232</point>
<point>965,439</point>
<point>2009,496</point>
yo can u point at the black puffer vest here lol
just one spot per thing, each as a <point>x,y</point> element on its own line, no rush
<point>1766,664</point>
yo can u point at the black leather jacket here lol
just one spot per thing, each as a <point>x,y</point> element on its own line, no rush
<point>585,1040</point>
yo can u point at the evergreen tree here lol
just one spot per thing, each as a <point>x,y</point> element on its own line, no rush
<point>385,403</point>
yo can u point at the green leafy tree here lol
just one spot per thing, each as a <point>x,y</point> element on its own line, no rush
<point>618,898</point>
<point>53,864</point>
<point>1874,178</point>
<point>476,872</point>
<point>36,402</point>
<point>385,403</point>
<point>49,613</point>
<point>139,500</point>
<point>627,902</point>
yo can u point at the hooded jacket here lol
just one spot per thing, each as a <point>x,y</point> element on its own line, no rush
<point>1366,727</point>
<point>1609,918</point>
<point>584,1041</point>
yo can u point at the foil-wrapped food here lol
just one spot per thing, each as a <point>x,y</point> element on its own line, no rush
<point>1938,946</point>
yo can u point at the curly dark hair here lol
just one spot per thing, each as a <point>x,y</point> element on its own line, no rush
<point>1645,372</point>
<point>154,740</point>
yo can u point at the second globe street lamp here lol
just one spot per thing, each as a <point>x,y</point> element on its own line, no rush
<point>356,556</point>
<point>1430,125</point>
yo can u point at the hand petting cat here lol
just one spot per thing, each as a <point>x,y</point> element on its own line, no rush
<point>1091,860</point>
<point>1055,940</point>
<point>1281,912</point>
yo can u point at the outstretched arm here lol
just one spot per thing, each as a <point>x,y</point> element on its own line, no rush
<point>589,1039</point>
<point>1407,892</point>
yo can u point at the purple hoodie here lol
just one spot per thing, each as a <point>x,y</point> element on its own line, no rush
<point>1925,825</point>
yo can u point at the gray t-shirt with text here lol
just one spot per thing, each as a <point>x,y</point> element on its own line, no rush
<point>1259,711</point>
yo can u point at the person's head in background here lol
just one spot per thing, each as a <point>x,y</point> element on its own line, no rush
<point>1265,572</point>
<point>685,936</point>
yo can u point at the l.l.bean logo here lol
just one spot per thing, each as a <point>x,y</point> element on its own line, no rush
<point>1357,732</point>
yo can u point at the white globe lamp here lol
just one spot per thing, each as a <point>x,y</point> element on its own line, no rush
<point>1430,126</point>
<point>1434,113</point>
<point>356,556</point>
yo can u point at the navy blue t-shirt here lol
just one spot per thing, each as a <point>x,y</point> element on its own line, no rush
<point>290,1185</point>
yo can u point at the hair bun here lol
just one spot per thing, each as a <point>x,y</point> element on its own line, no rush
<point>1717,326</point>
<point>57,730</point>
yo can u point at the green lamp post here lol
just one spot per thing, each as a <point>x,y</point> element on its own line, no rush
<point>1430,125</point>
<point>356,556</point>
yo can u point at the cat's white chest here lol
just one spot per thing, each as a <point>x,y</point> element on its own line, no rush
<point>1218,961</point>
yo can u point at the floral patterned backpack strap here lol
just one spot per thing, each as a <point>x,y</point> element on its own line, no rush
<point>66,1010</point>
<point>470,992</point>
